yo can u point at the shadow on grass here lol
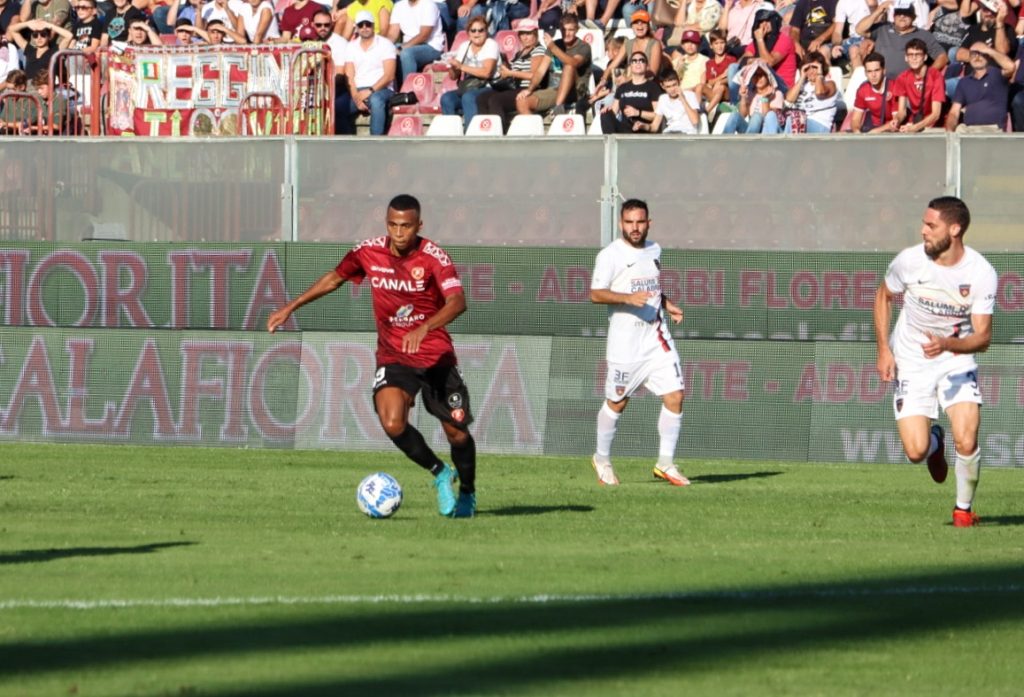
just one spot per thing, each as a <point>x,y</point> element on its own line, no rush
<point>613,639</point>
<point>722,478</point>
<point>5,477</point>
<point>1001,520</point>
<point>536,510</point>
<point>31,556</point>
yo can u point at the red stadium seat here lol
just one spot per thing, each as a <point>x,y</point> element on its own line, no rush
<point>406,125</point>
<point>508,43</point>
<point>422,85</point>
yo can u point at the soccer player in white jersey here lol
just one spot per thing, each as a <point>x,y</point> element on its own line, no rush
<point>640,351</point>
<point>949,293</point>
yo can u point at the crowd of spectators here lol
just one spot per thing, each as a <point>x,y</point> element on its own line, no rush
<point>727,66</point>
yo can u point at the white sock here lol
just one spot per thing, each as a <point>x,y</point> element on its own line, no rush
<point>607,422</point>
<point>968,469</point>
<point>669,424</point>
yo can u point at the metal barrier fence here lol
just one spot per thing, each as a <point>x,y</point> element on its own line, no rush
<point>825,193</point>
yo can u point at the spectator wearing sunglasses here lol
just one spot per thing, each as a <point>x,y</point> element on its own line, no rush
<point>44,40</point>
<point>87,27</point>
<point>370,70</point>
<point>380,10</point>
<point>635,100</point>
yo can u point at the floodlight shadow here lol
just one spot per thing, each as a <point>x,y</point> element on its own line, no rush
<point>33,556</point>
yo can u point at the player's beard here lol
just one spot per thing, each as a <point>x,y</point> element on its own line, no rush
<point>935,249</point>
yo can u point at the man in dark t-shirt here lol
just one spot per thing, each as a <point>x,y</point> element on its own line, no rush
<point>981,97</point>
<point>416,292</point>
<point>87,26</point>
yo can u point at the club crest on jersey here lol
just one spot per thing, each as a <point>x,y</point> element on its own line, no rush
<point>620,390</point>
<point>417,273</point>
<point>458,415</point>
<point>965,290</point>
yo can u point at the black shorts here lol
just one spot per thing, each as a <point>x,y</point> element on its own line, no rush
<point>444,393</point>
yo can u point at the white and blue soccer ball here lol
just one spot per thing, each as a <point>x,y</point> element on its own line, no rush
<point>379,495</point>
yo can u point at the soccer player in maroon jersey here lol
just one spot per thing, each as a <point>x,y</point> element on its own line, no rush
<point>416,292</point>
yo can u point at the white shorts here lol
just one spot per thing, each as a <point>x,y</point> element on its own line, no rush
<point>660,376</point>
<point>921,392</point>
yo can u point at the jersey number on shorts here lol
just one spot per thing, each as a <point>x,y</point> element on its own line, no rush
<point>378,379</point>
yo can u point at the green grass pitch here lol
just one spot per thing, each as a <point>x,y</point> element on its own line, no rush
<point>169,571</point>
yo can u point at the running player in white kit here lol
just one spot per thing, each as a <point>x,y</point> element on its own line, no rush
<point>949,293</point>
<point>640,351</point>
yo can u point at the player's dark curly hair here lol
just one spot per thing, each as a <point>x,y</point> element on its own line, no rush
<point>634,203</point>
<point>953,211</point>
<point>405,202</point>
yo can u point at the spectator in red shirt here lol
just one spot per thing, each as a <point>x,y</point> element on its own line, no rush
<point>874,107</point>
<point>921,91</point>
<point>416,292</point>
<point>774,46</point>
<point>297,15</point>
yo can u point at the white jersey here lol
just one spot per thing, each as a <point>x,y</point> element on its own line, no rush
<point>635,334</point>
<point>939,300</point>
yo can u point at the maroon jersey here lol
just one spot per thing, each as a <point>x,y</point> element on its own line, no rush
<point>406,291</point>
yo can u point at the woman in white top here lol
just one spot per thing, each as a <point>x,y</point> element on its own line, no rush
<point>256,20</point>
<point>815,94</point>
<point>474,67</point>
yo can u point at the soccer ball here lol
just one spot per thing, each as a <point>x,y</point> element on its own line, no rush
<point>379,495</point>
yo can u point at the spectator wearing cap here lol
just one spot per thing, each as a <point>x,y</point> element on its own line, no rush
<point>891,38</point>
<point>986,23</point>
<point>982,96</point>
<point>525,64</point>
<point>643,41</point>
<point>689,65</point>
<point>810,26</point>
<point>298,14</point>
<point>417,35</point>
<point>380,11</point>
<point>920,89</point>
<point>370,62</point>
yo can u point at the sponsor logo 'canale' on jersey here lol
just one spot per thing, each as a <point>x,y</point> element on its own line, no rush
<point>406,291</point>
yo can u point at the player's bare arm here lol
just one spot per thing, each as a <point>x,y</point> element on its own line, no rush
<point>603,296</point>
<point>886,362</point>
<point>977,342</point>
<point>454,305</point>
<point>327,283</point>
<point>675,312</point>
